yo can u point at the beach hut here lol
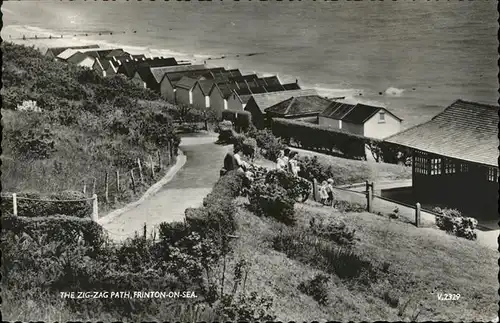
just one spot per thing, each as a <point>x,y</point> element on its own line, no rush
<point>201,97</point>
<point>258,103</point>
<point>129,67</point>
<point>53,52</point>
<point>184,90</point>
<point>361,119</point>
<point>304,108</point>
<point>455,158</point>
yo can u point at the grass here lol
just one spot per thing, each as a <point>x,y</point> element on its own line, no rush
<point>418,263</point>
<point>357,171</point>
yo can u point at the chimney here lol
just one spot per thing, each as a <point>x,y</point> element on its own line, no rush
<point>296,81</point>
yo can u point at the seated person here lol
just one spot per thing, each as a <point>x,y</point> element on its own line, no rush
<point>282,162</point>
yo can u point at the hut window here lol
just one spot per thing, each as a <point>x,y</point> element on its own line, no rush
<point>464,168</point>
<point>492,174</point>
<point>381,117</point>
<point>436,166</point>
<point>421,165</point>
<point>449,167</point>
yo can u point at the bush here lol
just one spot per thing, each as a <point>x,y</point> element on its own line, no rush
<point>346,206</point>
<point>453,222</point>
<point>391,298</point>
<point>296,187</point>
<point>269,145</point>
<point>321,254</point>
<point>226,132</point>
<point>35,143</point>
<point>249,147</point>
<point>56,228</point>
<point>316,288</point>
<point>272,200</point>
<point>333,231</point>
<point>312,136</point>
<point>246,308</point>
<point>40,205</point>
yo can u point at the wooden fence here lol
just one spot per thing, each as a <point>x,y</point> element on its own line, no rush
<point>369,197</point>
<point>114,184</point>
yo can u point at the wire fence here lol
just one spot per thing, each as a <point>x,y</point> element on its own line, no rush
<point>113,187</point>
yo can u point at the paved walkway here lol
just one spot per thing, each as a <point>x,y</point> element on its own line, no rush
<point>187,189</point>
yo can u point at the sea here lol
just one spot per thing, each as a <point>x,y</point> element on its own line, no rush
<point>412,57</point>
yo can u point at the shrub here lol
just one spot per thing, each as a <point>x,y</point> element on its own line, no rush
<point>269,145</point>
<point>346,206</point>
<point>333,231</point>
<point>245,308</point>
<point>243,120</point>
<point>249,147</point>
<point>391,298</point>
<point>321,254</point>
<point>56,228</point>
<point>272,200</point>
<point>39,205</point>
<point>34,143</point>
<point>453,222</point>
<point>226,132</point>
<point>296,187</point>
<point>313,136</point>
<point>316,288</point>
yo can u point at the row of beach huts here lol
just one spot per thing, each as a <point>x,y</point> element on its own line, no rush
<point>218,88</point>
<point>457,148</point>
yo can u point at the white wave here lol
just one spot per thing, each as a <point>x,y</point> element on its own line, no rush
<point>393,91</point>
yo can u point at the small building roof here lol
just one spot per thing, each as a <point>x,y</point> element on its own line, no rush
<point>160,72</point>
<point>67,53</point>
<point>464,130</point>
<point>302,105</point>
<point>357,114</point>
<point>186,82</point>
<point>77,58</point>
<point>206,86</point>
<point>58,50</point>
<point>266,100</point>
<point>130,67</point>
<point>337,110</point>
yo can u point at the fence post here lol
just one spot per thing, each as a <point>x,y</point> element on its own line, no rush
<point>417,215</point>
<point>93,186</point>
<point>118,180</point>
<point>159,159</point>
<point>145,231</point>
<point>373,189</point>
<point>315,189</point>
<point>369,200</point>
<point>106,188</point>
<point>168,152</point>
<point>84,187</point>
<point>140,169</point>
<point>133,180</point>
<point>95,208</point>
<point>14,203</point>
<point>152,167</point>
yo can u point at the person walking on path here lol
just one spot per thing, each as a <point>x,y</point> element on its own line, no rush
<point>323,193</point>
<point>330,192</point>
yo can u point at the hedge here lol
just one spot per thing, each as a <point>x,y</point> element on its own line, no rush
<point>316,137</point>
<point>42,207</point>
<point>60,228</point>
<point>242,120</point>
